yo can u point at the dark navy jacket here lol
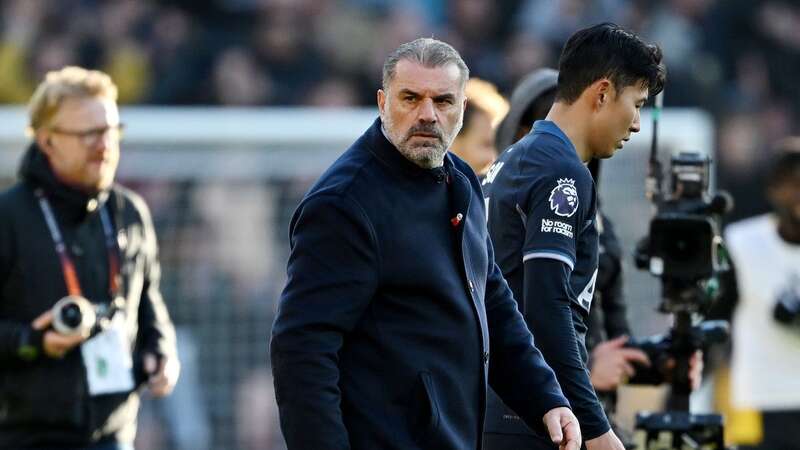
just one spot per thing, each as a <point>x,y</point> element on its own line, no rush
<point>392,308</point>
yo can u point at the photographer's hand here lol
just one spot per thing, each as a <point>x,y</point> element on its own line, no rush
<point>612,363</point>
<point>162,373</point>
<point>55,344</point>
<point>695,369</point>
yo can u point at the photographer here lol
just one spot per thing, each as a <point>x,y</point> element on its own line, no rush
<point>764,301</point>
<point>69,375</point>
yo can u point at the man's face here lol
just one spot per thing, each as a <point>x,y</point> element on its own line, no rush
<point>422,110</point>
<point>785,198</point>
<point>82,143</point>
<point>617,118</point>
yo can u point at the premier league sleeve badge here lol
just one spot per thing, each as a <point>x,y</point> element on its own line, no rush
<point>564,198</point>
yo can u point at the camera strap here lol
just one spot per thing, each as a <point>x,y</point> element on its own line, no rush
<point>67,266</point>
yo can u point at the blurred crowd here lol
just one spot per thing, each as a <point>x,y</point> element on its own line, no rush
<point>734,58</point>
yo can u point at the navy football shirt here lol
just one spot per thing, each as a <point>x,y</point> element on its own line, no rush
<point>541,206</point>
<point>541,203</point>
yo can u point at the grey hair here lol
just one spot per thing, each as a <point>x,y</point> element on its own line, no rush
<point>428,52</point>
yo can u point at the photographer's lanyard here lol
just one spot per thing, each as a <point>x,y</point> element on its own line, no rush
<point>67,266</point>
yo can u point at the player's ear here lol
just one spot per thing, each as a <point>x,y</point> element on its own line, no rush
<point>602,91</point>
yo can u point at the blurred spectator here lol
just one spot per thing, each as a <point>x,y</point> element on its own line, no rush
<point>334,92</point>
<point>179,421</point>
<point>723,56</point>
<point>284,48</point>
<point>764,302</point>
<point>256,419</point>
<point>239,80</point>
<point>485,109</point>
<point>20,20</point>
<point>524,53</point>
<point>553,21</point>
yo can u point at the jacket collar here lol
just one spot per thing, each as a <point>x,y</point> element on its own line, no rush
<point>72,205</point>
<point>391,157</point>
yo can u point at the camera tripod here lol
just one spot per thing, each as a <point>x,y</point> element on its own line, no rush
<point>677,428</point>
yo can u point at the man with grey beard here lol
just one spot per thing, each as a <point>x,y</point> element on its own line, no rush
<point>395,316</point>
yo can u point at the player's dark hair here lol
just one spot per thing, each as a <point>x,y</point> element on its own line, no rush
<point>608,51</point>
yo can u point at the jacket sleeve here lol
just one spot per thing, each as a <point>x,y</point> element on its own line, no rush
<point>156,331</point>
<point>13,334</point>
<point>549,315</point>
<point>517,371</point>
<point>332,274</point>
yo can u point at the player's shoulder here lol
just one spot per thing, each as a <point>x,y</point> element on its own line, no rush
<point>547,153</point>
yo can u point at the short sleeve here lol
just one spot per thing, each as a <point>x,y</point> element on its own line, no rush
<point>555,213</point>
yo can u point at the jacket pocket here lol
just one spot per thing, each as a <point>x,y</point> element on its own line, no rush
<point>427,411</point>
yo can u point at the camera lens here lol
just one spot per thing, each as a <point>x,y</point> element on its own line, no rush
<point>71,315</point>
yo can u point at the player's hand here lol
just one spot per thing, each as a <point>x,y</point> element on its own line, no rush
<point>55,344</point>
<point>612,363</point>
<point>163,373</point>
<point>563,428</point>
<point>608,441</point>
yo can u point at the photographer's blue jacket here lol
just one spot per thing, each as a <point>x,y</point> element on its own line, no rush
<point>395,316</point>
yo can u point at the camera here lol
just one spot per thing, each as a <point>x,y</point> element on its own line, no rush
<point>76,315</point>
<point>73,315</point>
<point>684,243</point>
<point>685,250</point>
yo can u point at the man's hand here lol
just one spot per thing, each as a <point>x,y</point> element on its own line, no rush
<point>162,374</point>
<point>608,441</point>
<point>55,344</point>
<point>695,369</point>
<point>612,363</point>
<point>563,428</point>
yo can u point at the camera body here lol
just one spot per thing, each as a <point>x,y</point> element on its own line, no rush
<point>685,250</point>
<point>74,315</point>
<point>684,245</point>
